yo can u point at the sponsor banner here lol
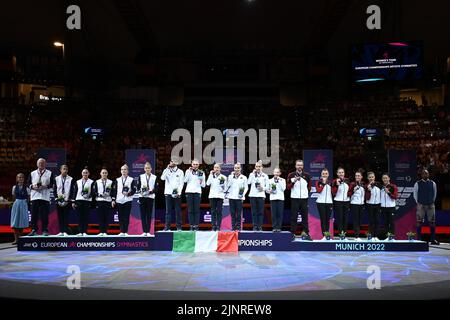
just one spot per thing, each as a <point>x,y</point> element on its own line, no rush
<point>227,157</point>
<point>136,159</point>
<point>85,244</point>
<point>247,241</point>
<point>352,246</point>
<point>315,161</point>
<point>403,173</point>
<point>55,157</point>
<point>265,241</point>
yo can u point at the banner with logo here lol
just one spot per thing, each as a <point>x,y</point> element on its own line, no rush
<point>136,159</point>
<point>227,157</point>
<point>55,157</point>
<point>315,161</point>
<point>403,173</point>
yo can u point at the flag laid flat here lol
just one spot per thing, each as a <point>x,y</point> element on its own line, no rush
<point>183,241</point>
<point>227,242</point>
<point>205,241</point>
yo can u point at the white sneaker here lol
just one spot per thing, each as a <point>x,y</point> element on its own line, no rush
<point>375,239</point>
<point>126,234</point>
<point>144,234</point>
<point>100,235</point>
<point>324,239</point>
<point>358,239</point>
<point>121,234</point>
<point>85,234</point>
<point>65,234</point>
<point>60,234</point>
<point>79,235</point>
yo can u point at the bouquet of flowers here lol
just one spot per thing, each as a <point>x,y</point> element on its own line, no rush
<point>389,188</point>
<point>107,191</point>
<point>61,201</point>
<point>274,187</point>
<point>241,191</point>
<point>144,190</point>
<point>327,235</point>
<point>222,180</point>
<point>85,192</point>
<point>411,236</point>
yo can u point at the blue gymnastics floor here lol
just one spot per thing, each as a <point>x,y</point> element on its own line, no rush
<point>224,272</point>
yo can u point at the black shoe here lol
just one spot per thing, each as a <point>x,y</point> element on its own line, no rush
<point>45,233</point>
<point>304,236</point>
<point>435,242</point>
<point>32,233</point>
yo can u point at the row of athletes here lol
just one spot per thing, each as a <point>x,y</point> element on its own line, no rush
<point>338,195</point>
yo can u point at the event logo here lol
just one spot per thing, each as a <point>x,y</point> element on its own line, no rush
<point>140,161</point>
<point>207,217</point>
<point>318,162</point>
<point>52,160</point>
<point>258,145</point>
<point>404,193</point>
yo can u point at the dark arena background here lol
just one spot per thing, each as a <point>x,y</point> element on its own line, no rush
<point>286,89</point>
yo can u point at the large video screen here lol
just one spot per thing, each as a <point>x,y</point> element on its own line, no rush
<point>394,61</point>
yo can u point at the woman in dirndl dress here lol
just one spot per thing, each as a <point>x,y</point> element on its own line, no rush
<point>19,211</point>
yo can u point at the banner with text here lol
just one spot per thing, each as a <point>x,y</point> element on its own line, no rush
<point>403,173</point>
<point>315,161</point>
<point>55,157</point>
<point>136,159</point>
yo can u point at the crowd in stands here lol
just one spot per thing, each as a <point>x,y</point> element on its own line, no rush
<point>24,129</point>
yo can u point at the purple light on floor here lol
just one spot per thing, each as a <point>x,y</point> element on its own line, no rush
<point>398,44</point>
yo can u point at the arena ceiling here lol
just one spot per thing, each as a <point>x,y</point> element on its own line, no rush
<point>119,28</point>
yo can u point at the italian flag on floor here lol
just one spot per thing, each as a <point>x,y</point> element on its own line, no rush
<point>205,241</point>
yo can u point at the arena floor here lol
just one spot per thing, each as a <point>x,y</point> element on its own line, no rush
<point>244,275</point>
